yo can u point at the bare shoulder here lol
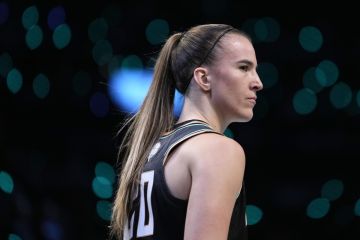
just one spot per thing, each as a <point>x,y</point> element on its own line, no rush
<point>211,154</point>
<point>215,148</point>
<point>216,165</point>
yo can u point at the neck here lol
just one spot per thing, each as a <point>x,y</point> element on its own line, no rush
<point>203,111</point>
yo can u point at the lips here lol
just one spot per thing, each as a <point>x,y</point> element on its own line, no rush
<point>252,100</point>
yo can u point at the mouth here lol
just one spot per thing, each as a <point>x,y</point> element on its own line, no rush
<point>252,100</point>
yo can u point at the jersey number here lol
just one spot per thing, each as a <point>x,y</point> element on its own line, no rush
<point>146,217</point>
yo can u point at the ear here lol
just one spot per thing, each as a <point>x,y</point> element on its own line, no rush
<point>201,79</point>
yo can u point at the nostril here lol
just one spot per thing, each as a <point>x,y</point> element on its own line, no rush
<point>257,86</point>
<point>260,85</point>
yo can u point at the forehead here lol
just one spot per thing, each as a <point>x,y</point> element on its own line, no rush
<point>235,47</point>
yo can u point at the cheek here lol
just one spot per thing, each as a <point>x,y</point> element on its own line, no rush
<point>225,86</point>
<point>223,82</point>
<point>225,96</point>
<point>229,88</point>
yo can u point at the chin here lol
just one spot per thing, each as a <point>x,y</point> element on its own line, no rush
<point>245,117</point>
<point>247,120</point>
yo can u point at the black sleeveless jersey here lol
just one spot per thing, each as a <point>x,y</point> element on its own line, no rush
<point>156,214</point>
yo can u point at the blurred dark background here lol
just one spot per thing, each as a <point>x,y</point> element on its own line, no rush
<point>59,118</point>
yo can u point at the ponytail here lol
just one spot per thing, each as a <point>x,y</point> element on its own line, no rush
<point>154,117</point>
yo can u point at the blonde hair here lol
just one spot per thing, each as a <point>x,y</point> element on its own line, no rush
<point>180,55</point>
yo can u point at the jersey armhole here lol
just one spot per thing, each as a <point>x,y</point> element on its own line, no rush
<point>164,187</point>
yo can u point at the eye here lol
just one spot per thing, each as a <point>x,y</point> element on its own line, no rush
<point>245,68</point>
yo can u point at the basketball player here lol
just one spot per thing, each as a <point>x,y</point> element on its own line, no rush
<point>183,179</point>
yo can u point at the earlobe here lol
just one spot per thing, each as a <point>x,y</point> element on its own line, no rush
<point>201,78</point>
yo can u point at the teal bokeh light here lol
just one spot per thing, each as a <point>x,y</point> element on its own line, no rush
<point>249,27</point>
<point>131,62</point>
<point>14,80</point>
<point>6,182</point>
<point>102,187</point>
<point>357,208</point>
<point>327,73</point>
<point>229,133</point>
<point>102,52</point>
<point>332,189</point>
<point>34,37</point>
<point>358,98</point>
<point>6,63</point>
<point>310,39</point>
<point>304,101</point>
<point>61,36</point>
<point>157,31</point>
<point>340,95</point>
<point>41,86</point>
<point>267,29</point>
<point>253,214</point>
<point>310,80</point>
<point>13,236</point>
<point>103,209</point>
<point>103,169</point>
<point>115,64</point>
<point>318,208</point>
<point>98,30</point>
<point>30,17</point>
<point>268,74</point>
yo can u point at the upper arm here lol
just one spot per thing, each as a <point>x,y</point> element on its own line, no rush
<point>217,169</point>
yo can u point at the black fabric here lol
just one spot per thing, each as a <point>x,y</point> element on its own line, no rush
<point>164,215</point>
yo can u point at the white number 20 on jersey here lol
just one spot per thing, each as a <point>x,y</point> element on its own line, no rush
<point>145,228</point>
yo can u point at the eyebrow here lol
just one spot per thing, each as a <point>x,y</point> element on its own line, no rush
<point>248,62</point>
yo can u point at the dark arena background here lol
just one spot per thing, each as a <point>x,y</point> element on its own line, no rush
<point>71,71</point>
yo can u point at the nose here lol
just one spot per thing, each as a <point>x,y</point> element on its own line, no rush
<point>257,85</point>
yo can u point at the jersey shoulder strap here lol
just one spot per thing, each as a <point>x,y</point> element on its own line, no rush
<point>184,131</point>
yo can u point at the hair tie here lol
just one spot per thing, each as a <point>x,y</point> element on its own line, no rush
<point>183,34</point>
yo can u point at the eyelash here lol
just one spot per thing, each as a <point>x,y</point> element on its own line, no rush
<point>244,68</point>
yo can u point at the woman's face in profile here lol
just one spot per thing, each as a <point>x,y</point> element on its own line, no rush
<point>234,79</point>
